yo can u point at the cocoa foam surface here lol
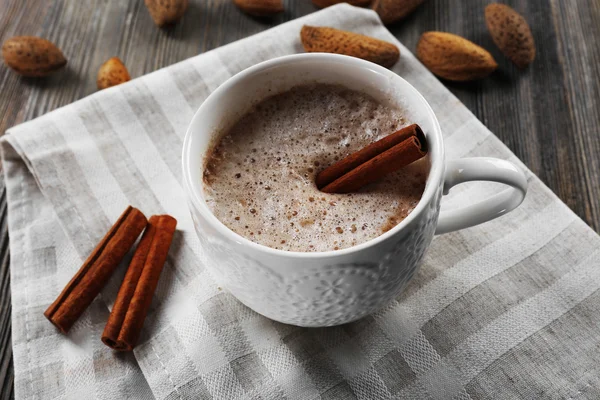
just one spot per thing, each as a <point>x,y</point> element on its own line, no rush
<point>259,177</point>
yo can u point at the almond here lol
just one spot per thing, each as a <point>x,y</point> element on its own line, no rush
<point>327,3</point>
<point>260,8</point>
<point>166,12</point>
<point>453,57</point>
<point>112,73</point>
<point>511,33</point>
<point>32,56</point>
<point>391,11</point>
<point>330,40</point>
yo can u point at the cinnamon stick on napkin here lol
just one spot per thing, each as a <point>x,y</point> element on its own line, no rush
<point>135,295</point>
<point>96,270</point>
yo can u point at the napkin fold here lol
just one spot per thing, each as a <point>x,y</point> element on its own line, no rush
<point>507,309</point>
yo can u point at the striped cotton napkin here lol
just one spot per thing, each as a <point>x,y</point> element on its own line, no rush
<point>508,309</point>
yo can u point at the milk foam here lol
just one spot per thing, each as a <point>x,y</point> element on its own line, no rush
<point>259,177</point>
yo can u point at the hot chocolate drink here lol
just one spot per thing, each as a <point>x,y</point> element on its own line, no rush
<point>259,177</point>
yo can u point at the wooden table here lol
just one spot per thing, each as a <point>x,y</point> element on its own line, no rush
<point>549,114</point>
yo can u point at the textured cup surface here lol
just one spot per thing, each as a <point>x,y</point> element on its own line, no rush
<point>323,288</point>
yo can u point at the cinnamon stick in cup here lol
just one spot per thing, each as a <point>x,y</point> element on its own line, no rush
<point>96,270</point>
<point>135,295</point>
<point>373,162</point>
<point>352,161</point>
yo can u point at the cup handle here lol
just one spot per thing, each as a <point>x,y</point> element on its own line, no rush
<point>482,169</point>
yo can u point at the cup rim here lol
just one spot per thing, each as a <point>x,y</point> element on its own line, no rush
<point>434,138</point>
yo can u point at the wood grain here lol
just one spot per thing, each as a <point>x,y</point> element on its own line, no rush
<point>549,114</point>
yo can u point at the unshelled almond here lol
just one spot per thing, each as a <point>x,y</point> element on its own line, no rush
<point>166,12</point>
<point>453,57</point>
<point>32,56</point>
<point>330,40</point>
<point>112,73</point>
<point>511,34</point>
<point>391,11</point>
<point>327,3</point>
<point>260,8</point>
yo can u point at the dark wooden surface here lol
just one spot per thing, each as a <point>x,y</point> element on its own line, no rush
<point>549,114</point>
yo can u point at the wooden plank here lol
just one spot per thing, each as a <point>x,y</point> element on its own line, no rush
<point>547,114</point>
<point>577,28</point>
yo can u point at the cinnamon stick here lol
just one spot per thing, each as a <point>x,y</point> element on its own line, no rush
<point>352,161</point>
<point>96,270</point>
<point>374,168</point>
<point>135,295</point>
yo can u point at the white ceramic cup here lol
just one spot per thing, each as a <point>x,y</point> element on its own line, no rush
<point>332,287</point>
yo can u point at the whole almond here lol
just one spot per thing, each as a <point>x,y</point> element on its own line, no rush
<point>32,56</point>
<point>391,11</point>
<point>260,8</point>
<point>327,3</point>
<point>511,33</point>
<point>166,12</point>
<point>453,57</point>
<point>112,73</point>
<point>330,40</point>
